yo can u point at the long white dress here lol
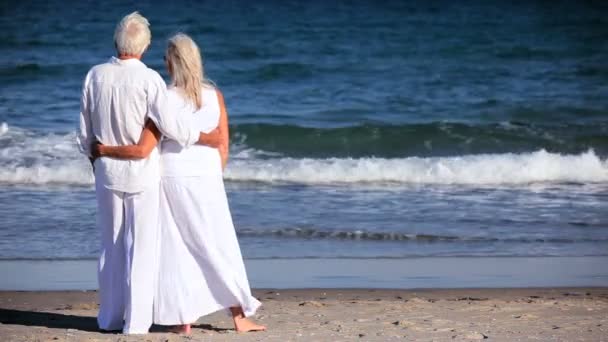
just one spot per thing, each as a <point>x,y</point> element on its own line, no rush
<point>201,269</point>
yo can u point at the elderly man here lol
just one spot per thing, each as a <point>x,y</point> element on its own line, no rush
<point>118,97</point>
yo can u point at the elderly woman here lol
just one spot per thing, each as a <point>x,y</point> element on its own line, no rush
<point>201,267</point>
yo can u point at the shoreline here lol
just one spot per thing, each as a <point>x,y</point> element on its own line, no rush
<point>502,314</point>
<point>408,273</point>
<point>437,298</point>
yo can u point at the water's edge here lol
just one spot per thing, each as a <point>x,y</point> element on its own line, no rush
<point>439,272</point>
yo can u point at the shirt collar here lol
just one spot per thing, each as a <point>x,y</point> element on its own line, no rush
<point>126,62</point>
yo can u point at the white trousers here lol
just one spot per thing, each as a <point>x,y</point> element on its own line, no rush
<point>128,264</point>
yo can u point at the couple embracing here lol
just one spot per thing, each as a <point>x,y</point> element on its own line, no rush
<point>169,251</point>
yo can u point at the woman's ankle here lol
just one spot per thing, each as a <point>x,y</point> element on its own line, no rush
<point>237,312</point>
<point>181,329</point>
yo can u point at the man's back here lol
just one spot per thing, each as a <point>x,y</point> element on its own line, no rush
<point>117,97</point>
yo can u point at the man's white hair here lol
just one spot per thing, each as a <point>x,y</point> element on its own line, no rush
<point>132,35</point>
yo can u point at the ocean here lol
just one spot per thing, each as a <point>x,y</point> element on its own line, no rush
<point>359,129</point>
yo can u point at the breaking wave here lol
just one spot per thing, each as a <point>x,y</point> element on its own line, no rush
<point>29,158</point>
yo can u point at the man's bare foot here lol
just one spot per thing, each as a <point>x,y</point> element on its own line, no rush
<point>185,329</point>
<point>243,324</point>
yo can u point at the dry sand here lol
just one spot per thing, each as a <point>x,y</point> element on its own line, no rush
<point>559,314</point>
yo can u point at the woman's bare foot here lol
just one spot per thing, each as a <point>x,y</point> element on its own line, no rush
<point>243,324</point>
<point>185,329</point>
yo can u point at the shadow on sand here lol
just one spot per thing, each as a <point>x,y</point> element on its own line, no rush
<point>83,323</point>
<point>48,319</point>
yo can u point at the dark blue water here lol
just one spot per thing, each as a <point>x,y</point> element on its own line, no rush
<point>358,129</point>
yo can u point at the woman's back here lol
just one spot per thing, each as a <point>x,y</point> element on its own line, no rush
<point>195,160</point>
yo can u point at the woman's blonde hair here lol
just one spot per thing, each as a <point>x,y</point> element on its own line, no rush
<point>186,67</point>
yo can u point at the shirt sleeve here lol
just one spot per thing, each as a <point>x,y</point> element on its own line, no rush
<point>169,115</point>
<point>85,134</point>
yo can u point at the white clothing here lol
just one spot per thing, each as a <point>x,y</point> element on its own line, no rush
<point>128,262</point>
<point>197,160</point>
<point>201,268</point>
<point>117,98</point>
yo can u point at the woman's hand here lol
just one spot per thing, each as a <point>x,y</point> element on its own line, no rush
<point>96,147</point>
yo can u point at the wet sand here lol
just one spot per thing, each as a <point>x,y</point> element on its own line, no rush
<point>532,314</point>
<point>406,273</point>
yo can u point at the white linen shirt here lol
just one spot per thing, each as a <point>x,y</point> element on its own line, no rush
<point>117,99</point>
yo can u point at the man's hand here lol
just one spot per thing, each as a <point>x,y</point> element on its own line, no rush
<point>211,139</point>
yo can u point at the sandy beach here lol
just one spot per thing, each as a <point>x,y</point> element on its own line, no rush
<point>534,314</point>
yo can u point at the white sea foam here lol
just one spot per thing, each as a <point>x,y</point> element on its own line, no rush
<point>27,158</point>
<point>53,159</point>
<point>3,128</point>
<point>534,167</point>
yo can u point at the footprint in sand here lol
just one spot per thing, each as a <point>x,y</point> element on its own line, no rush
<point>525,316</point>
<point>417,300</point>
